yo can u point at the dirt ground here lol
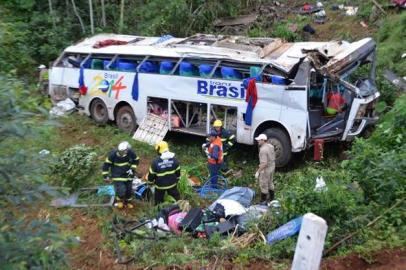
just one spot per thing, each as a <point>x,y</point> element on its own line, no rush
<point>394,259</point>
<point>92,254</point>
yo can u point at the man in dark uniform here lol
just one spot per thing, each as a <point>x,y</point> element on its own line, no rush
<point>164,173</point>
<point>119,167</point>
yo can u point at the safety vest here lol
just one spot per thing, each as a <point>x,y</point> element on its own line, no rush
<point>219,160</point>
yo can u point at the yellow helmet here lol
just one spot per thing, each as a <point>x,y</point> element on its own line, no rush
<point>217,123</point>
<point>161,147</point>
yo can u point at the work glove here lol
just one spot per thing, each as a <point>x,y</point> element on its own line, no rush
<point>107,179</point>
<point>130,172</point>
<point>256,174</point>
<point>204,146</point>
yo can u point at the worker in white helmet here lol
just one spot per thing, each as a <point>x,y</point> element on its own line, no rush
<point>120,167</point>
<point>43,79</point>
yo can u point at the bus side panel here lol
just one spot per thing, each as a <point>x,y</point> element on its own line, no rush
<point>111,87</point>
<point>294,117</point>
<point>200,90</point>
<point>268,107</point>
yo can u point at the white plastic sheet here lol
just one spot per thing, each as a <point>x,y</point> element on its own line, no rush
<point>63,107</point>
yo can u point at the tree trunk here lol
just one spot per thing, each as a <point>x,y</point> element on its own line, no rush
<point>78,16</point>
<point>91,17</point>
<point>51,13</point>
<point>120,27</point>
<point>103,13</point>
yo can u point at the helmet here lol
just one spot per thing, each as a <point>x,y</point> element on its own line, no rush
<point>217,123</point>
<point>161,147</point>
<point>41,66</point>
<point>123,147</point>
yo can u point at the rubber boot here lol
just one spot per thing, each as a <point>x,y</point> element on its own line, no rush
<point>263,199</point>
<point>271,195</point>
<point>119,205</point>
<point>129,205</point>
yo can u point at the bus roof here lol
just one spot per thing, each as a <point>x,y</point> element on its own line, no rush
<point>279,54</point>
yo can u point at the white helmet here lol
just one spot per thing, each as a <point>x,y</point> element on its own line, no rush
<point>123,146</point>
<point>41,66</point>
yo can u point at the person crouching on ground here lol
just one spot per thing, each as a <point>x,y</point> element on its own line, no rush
<point>164,173</point>
<point>119,167</point>
<point>266,168</point>
<point>214,151</point>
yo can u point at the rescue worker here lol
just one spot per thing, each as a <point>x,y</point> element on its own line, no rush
<point>119,167</point>
<point>266,169</point>
<point>214,151</point>
<point>164,173</point>
<point>227,139</point>
<point>43,79</point>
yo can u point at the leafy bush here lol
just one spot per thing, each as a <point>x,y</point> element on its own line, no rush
<point>25,243</point>
<point>75,165</point>
<point>282,31</point>
<point>379,162</point>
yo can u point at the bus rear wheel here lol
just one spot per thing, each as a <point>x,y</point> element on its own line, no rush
<point>98,112</point>
<point>125,119</point>
<point>281,142</point>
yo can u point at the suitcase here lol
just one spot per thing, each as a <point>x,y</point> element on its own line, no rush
<point>192,220</point>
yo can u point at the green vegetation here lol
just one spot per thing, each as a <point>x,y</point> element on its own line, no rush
<point>25,242</point>
<point>74,166</point>
<point>358,189</point>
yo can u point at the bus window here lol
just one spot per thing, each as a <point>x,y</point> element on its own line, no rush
<point>230,73</point>
<point>189,117</point>
<point>187,69</point>
<point>149,67</point>
<point>227,114</point>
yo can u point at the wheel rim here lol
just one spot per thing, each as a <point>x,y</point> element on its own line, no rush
<point>126,121</point>
<point>277,146</point>
<point>100,111</point>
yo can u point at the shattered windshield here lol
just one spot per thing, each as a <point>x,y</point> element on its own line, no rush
<point>362,75</point>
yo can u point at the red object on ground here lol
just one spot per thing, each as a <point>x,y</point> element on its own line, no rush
<point>318,149</point>
<point>109,42</point>
<point>399,2</point>
<point>307,7</point>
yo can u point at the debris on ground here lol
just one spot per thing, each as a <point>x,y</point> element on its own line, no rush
<point>44,152</point>
<point>286,230</point>
<point>397,81</point>
<point>309,29</point>
<point>74,200</point>
<point>63,107</point>
<point>363,24</point>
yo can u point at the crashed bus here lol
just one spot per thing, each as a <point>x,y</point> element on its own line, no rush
<point>195,80</point>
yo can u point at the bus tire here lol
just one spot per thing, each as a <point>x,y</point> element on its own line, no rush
<point>125,119</point>
<point>99,112</point>
<point>281,142</point>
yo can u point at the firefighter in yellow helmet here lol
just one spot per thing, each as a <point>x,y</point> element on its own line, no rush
<point>164,173</point>
<point>228,140</point>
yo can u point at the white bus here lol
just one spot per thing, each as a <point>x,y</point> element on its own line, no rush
<point>193,81</point>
